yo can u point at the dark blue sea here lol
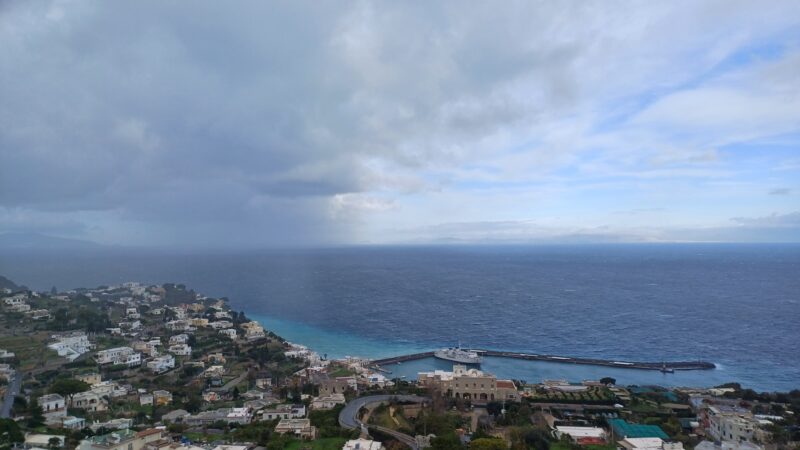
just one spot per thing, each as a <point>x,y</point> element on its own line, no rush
<point>735,305</point>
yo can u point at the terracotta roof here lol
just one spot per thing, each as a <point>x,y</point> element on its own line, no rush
<point>591,441</point>
<point>148,432</point>
<point>506,384</point>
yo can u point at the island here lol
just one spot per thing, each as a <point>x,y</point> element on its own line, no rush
<point>162,367</point>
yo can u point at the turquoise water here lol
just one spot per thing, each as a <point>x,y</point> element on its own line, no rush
<point>338,345</point>
<point>332,343</point>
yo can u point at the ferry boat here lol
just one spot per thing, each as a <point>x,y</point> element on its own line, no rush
<point>459,355</point>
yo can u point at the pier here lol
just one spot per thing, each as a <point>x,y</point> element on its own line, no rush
<point>660,366</point>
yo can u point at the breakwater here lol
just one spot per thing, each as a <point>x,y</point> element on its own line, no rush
<point>660,366</point>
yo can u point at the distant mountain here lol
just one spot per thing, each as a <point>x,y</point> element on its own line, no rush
<point>36,241</point>
<point>5,283</point>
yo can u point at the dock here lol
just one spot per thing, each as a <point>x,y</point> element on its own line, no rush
<point>658,366</point>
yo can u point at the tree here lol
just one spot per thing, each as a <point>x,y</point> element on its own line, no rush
<point>488,444</point>
<point>36,418</point>
<point>61,319</point>
<point>236,393</point>
<point>9,433</point>
<point>537,439</point>
<point>608,380</point>
<point>67,387</point>
<point>446,442</point>
<point>54,443</point>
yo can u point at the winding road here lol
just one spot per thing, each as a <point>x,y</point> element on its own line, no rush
<point>11,392</point>
<point>348,417</point>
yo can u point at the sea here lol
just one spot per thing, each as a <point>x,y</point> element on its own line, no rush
<point>737,306</point>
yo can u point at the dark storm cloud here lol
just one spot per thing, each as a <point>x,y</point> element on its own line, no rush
<point>166,113</point>
<point>196,122</point>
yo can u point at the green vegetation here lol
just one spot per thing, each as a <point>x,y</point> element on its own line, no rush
<point>594,395</point>
<point>391,416</point>
<point>67,387</point>
<point>30,349</point>
<point>488,444</point>
<point>9,433</point>
<point>334,443</point>
<point>341,372</point>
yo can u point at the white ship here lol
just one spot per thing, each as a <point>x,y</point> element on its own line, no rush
<point>459,355</point>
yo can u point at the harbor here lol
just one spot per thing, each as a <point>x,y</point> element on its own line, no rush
<point>664,366</point>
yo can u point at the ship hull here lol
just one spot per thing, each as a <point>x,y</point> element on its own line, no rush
<point>458,359</point>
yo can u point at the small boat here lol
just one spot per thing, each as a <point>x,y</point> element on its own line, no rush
<point>665,369</point>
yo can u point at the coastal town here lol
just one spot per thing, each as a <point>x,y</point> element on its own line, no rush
<point>162,367</point>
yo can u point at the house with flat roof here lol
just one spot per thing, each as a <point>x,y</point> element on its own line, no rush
<point>54,407</point>
<point>577,433</point>
<point>161,364</point>
<point>90,401</point>
<point>35,440</point>
<point>726,423</point>
<point>327,401</point>
<point>648,444</point>
<point>71,346</point>
<point>283,412</point>
<point>119,355</point>
<point>121,440</point>
<point>301,428</point>
<point>362,444</point>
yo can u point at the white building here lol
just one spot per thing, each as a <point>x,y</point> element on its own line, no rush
<point>180,350</point>
<point>239,415</point>
<point>42,441</point>
<point>648,444</point>
<point>53,407</point>
<point>731,424</point>
<point>15,299</point>
<point>146,399</point>
<point>377,379</point>
<point>230,332</point>
<point>283,412</point>
<point>727,445</point>
<point>71,346</point>
<point>122,440</point>
<point>89,400</point>
<point>161,364</point>
<point>110,389</point>
<point>301,428</point>
<point>119,355</point>
<point>576,433</point>
<point>178,339</point>
<point>20,307</point>
<point>113,424</point>
<point>327,401</point>
<point>219,325</point>
<point>362,444</point>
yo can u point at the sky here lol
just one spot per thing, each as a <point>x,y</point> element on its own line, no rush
<point>246,124</point>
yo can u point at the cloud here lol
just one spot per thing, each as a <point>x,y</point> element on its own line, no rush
<point>773,220</point>
<point>780,191</point>
<point>316,122</point>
